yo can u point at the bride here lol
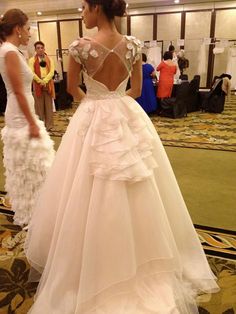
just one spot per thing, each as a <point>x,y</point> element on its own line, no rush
<point>111,232</point>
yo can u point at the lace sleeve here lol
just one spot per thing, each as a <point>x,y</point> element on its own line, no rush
<point>138,50</point>
<point>133,50</point>
<point>75,50</point>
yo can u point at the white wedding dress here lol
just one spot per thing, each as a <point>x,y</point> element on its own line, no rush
<point>111,233</point>
<point>26,160</point>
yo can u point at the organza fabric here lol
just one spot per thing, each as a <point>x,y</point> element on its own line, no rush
<point>111,233</point>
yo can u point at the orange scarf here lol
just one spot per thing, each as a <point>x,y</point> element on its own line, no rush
<point>50,85</point>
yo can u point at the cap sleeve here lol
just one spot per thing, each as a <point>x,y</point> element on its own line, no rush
<point>75,50</point>
<point>134,49</point>
<point>138,49</point>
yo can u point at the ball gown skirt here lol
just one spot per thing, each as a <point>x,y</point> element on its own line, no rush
<point>111,233</point>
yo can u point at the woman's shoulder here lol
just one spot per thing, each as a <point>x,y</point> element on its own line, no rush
<point>79,48</point>
<point>133,39</point>
<point>6,47</point>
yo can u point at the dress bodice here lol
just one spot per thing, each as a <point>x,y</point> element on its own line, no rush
<point>14,116</point>
<point>25,73</point>
<point>93,57</point>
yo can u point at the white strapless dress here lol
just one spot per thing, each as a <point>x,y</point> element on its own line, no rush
<point>111,232</point>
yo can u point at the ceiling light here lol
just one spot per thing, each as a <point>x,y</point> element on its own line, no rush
<point>39,13</point>
<point>127,5</point>
<point>80,9</point>
<point>1,15</point>
<point>176,1</point>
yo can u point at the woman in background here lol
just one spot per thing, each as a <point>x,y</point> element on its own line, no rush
<point>167,70</point>
<point>28,150</point>
<point>147,100</point>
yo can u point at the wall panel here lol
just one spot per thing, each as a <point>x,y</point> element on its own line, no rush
<point>197,27</point>
<point>168,28</point>
<point>48,34</point>
<point>142,27</point>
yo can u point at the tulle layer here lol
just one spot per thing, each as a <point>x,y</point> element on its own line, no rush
<point>121,144</point>
<point>106,246</point>
<point>26,163</point>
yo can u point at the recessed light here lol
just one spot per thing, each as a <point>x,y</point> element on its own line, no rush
<point>176,1</point>
<point>39,13</point>
<point>80,9</point>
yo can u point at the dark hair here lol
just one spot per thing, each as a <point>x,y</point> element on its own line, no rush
<point>11,19</point>
<point>111,8</point>
<point>171,48</point>
<point>144,57</point>
<point>225,75</point>
<point>168,55</point>
<point>39,42</point>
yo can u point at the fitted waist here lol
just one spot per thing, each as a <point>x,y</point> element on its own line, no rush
<point>26,92</point>
<point>105,95</point>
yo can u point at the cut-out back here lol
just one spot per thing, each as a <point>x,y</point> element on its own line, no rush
<point>109,67</point>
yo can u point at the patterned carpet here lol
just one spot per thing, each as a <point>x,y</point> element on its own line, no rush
<point>201,129</point>
<point>16,294</point>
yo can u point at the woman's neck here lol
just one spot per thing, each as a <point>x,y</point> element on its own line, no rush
<point>13,40</point>
<point>107,27</point>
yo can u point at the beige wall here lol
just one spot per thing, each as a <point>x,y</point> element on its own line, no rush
<point>168,28</point>
<point>69,32</point>
<point>123,25</point>
<point>197,27</point>
<point>225,28</point>
<point>142,27</point>
<point>48,34</point>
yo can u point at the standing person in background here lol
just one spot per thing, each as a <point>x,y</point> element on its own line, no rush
<point>28,150</point>
<point>167,70</point>
<point>147,100</point>
<point>183,63</point>
<point>44,92</point>
<point>175,60</point>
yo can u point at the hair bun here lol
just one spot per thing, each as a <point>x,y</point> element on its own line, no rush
<point>118,7</point>
<point>114,8</point>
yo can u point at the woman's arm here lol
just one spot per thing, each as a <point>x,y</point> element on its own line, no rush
<point>73,73</point>
<point>136,80</point>
<point>159,67</point>
<point>13,69</point>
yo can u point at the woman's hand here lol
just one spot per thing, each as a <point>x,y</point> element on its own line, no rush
<point>34,131</point>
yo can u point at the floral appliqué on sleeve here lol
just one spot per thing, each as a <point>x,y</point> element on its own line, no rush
<point>81,51</point>
<point>134,49</point>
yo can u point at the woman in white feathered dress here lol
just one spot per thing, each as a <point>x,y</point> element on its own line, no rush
<point>28,150</point>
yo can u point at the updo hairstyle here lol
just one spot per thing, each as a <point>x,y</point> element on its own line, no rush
<point>111,8</point>
<point>168,55</point>
<point>11,19</point>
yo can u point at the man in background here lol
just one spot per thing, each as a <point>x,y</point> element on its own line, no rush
<point>43,68</point>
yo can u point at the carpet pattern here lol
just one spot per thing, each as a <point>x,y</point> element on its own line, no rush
<point>201,129</point>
